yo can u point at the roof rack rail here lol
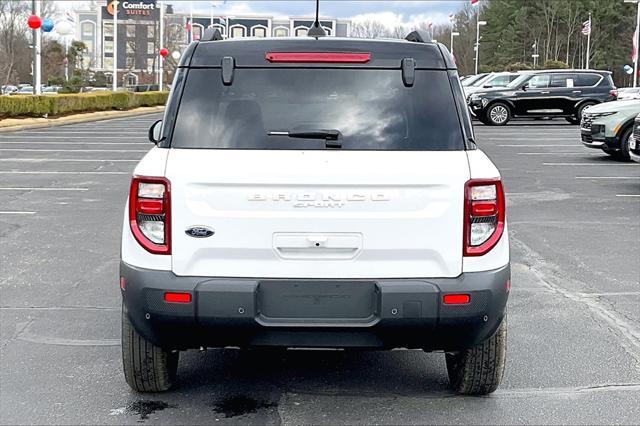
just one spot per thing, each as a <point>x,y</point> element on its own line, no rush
<point>418,36</point>
<point>212,34</point>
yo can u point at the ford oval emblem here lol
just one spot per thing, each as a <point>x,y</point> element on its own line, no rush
<point>199,232</point>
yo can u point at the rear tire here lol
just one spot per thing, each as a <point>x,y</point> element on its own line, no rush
<point>479,370</point>
<point>498,114</point>
<point>580,110</point>
<point>147,367</point>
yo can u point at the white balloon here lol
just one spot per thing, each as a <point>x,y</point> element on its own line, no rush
<point>64,28</point>
<point>176,55</point>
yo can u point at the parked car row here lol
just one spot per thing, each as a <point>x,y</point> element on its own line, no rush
<point>27,89</point>
<point>539,94</point>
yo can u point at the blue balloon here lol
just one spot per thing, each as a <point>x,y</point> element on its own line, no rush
<point>47,25</point>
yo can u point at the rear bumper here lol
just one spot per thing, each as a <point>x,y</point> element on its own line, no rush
<point>376,313</point>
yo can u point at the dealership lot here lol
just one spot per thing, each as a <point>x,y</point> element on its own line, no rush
<point>574,343</point>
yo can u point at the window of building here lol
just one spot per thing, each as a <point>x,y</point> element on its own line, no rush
<point>108,46</point>
<point>281,32</point>
<point>151,31</point>
<point>130,48</point>
<point>150,64</point>
<point>259,32</point>
<point>109,77</point>
<point>87,29</point>
<point>130,80</point>
<point>237,31</point>
<point>131,31</point>
<point>89,44</point>
<point>108,30</point>
<point>108,63</point>
<point>130,63</point>
<point>151,48</point>
<point>301,31</point>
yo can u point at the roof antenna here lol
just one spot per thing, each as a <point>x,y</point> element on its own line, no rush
<point>316,30</point>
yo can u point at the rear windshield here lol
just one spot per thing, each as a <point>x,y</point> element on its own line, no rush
<point>369,109</point>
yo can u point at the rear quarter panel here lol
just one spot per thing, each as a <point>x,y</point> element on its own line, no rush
<point>481,167</point>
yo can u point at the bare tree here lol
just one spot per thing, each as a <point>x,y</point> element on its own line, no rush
<point>13,34</point>
<point>369,29</point>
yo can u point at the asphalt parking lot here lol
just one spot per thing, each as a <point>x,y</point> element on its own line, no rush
<point>574,323</point>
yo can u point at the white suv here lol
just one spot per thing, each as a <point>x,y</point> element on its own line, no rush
<point>318,192</point>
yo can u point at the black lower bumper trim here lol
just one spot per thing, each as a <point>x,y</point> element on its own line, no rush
<point>366,313</point>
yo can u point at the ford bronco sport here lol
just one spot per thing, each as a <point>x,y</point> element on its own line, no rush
<point>316,192</point>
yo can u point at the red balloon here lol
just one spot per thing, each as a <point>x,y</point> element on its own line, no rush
<point>34,22</point>
<point>164,52</point>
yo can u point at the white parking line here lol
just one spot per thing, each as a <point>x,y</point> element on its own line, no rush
<point>71,143</point>
<point>536,146</point>
<point>44,189</point>
<point>9,212</point>
<point>628,195</point>
<point>50,132</point>
<point>38,160</point>
<point>607,177</point>
<point>21,172</point>
<point>72,150</point>
<point>587,164</point>
<point>551,153</point>
<point>13,137</point>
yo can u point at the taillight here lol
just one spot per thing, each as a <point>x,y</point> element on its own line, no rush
<point>614,92</point>
<point>149,213</point>
<point>484,213</point>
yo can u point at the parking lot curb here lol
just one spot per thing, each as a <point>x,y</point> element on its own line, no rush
<point>12,125</point>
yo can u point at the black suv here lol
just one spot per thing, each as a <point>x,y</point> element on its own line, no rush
<point>548,93</point>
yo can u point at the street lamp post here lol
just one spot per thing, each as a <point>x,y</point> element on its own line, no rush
<point>453,34</point>
<point>478,25</point>
<point>37,41</point>
<point>115,46</point>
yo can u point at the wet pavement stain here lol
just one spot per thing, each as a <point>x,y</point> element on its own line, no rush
<point>239,406</point>
<point>144,407</point>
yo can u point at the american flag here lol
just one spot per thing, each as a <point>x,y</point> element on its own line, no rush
<point>586,27</point>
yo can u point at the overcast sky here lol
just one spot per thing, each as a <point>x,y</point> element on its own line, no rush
<point>388,12</point>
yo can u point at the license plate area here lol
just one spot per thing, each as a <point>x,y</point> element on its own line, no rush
<point>317,303</point>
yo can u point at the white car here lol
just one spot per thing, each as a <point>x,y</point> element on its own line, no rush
<point>315,192</point>
<point>493,80</point>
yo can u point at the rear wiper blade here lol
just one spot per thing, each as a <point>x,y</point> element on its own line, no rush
<point>327,134</point>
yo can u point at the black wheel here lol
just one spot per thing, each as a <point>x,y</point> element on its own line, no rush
<point>147,367</point>
<point>580,110</point>
<point>498,114</point>
<point>479,370</point>
<point>625,140</point>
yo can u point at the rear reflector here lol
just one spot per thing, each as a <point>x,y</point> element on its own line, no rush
<point>150,206</point>
<point>173,297</point>
<point>320,57</point>
<point>123,283</point>
<point>456,299</point>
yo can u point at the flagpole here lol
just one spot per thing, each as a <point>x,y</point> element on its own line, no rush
<point>160,57</point>
<point>636,45</point>
<point>115,45</point>
<point>588,41</point>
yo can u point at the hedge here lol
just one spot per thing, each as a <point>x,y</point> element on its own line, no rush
<point>38,106</point>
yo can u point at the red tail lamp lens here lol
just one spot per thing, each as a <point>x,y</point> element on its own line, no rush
<point>150,206</point>
<point>320,57</point>
<point>456,299</point>
<point>175,297</point>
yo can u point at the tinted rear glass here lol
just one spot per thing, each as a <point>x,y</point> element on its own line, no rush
<point>371,108</point>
